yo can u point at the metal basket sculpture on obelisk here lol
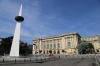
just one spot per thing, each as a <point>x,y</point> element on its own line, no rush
<point>16,39</point>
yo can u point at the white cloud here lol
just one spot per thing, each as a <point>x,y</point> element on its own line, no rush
<point>33,26</point>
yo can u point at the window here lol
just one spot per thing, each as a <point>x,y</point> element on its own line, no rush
<point>54,52</point>
<point>47,46</point>
<point>54,46</point>
<point>69,44</point>
<point>44,46</point>
<point>58,52</point>
<point>68,38</point>
<point>58,45</point>
<point>44,52</point>
<point>50,46</point>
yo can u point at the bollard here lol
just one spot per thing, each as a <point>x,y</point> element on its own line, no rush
<point>41,59</point>
<point>3,61</point>
<point>36,59</point>
<point>54,58</point>
<point>15,60</point>
<point>48,58</point>
<point>30,59</point>
<point>24,60</point>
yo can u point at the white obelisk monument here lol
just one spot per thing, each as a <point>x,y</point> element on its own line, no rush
<point>16,39</point>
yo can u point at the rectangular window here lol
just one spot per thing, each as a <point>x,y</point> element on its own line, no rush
<point>54,46</point>
<point>68,38</point>
<point>44,47</point>
<point>69,44</point>
<point>47,46</point>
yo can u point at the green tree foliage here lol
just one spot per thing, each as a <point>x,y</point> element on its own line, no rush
<point>23,49</point>
<point>85,47</point>
<point>63,51</point>
<point>50,51</point>
<point>40,51</point>
<point>97,50</point>
<point>6,46</point>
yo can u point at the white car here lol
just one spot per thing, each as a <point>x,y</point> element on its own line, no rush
<point>66,54</point>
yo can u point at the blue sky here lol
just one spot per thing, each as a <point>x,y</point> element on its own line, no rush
<point>45,18</point>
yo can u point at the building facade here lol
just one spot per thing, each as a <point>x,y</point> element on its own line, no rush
<point>0,40</point>
<point>56,44</point>
<point>95,40</point>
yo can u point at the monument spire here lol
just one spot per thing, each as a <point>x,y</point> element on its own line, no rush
<point>16,38</point>
<point>20,11</point>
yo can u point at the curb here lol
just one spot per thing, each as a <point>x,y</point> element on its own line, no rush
<point>97,61</point>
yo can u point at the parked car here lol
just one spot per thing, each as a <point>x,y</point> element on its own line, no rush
<point>38,55</point>
<point>66,54</point>
<point>69,54</point>
<point>50,54</point>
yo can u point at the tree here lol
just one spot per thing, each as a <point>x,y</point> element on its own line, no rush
<point>23,48</point>
<point>40,51</point>
<point>97,50</point>
<point>63,51</point>
<point>85,47</point>
<point>50,51</point>
<point>6,43</point>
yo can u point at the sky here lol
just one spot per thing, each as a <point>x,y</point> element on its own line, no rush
<point>43,18</point>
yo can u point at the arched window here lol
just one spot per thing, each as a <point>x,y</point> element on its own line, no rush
<point>47,46</point>
<point>69,44</point>
<point>54,46</point>
<point>44,52</point>
<point>58,45</point>
<point>50,46</point>
<point>54,52</point>
<point>58,52</point>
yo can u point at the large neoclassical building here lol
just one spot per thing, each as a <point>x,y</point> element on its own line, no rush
<point>66,42</point>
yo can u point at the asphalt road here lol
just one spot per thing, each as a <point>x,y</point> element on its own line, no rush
<point>62,62</point>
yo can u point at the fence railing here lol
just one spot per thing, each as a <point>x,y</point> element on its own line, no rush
<point>28,60</point>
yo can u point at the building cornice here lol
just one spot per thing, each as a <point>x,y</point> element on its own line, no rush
<point>57,36</point>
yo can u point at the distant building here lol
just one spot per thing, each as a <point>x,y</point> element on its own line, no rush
<point>95,40</point>
<point>67,42</point>
<point>30,47</point>
<point>0,40</point>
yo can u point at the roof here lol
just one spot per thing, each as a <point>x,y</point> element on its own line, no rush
<point>59,35</point>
